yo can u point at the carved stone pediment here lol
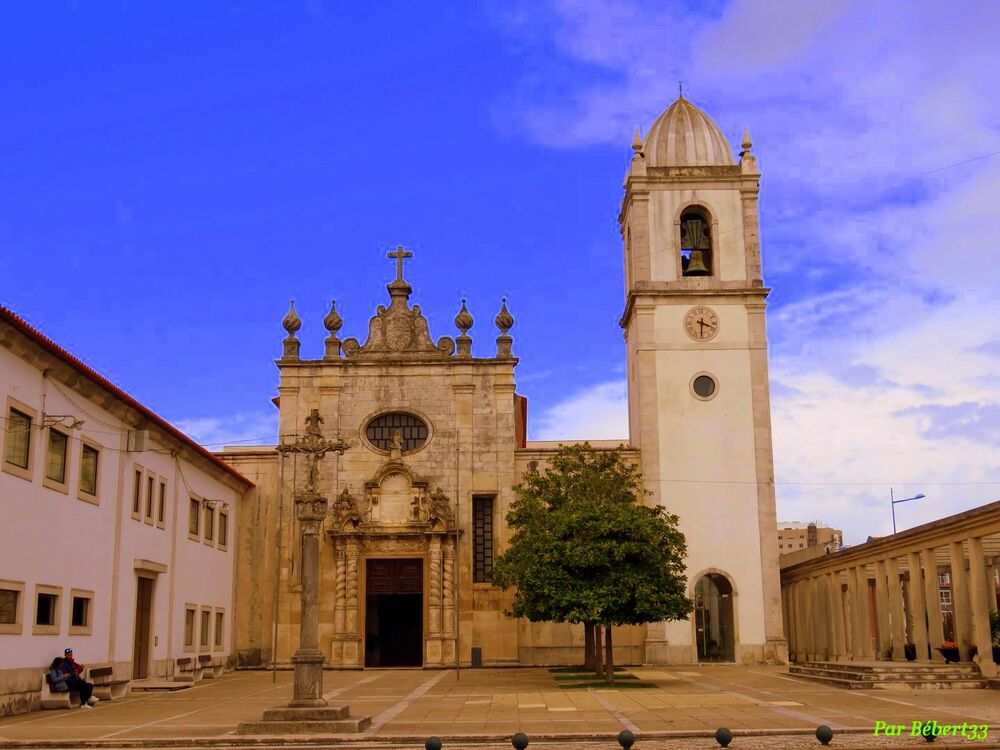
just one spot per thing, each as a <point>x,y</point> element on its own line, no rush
<point>399,330</point>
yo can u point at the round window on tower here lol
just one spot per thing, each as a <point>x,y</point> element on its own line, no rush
<point>413,431</point>
<point>704,386</point>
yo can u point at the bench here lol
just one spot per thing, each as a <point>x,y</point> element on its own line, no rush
<point>52,699</point>
<point>210,668</point>
<point>106,687</point>
<point>188,670</point>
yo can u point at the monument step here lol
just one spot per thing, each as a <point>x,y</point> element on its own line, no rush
<point>324,713</point>
<point>343,726</point>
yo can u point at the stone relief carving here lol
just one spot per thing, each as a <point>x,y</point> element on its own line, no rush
<point>345,511</point>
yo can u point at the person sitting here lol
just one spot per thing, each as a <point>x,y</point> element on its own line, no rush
<point>63,678</point>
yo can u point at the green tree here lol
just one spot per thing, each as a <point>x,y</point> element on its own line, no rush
<point>585,549</point>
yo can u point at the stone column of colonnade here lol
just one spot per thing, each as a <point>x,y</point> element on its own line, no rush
<point>960,603</point>
<point>838,620</point>
<point>897,615</point>
<point>932,601</point>
<point>916,603</point>
<point>980,590</point>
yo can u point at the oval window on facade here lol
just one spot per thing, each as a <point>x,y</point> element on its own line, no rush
<point>703,386</point>
<point>412,431</point>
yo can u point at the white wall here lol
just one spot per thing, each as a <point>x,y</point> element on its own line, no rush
<point>54,538</point>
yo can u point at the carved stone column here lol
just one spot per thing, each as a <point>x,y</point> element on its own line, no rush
<point>434,589</point>
<point>340,588</point>
<point>448,595</point>
<point>351,613</point>
<point>308,660</point>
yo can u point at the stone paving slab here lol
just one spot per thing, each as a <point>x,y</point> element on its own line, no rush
<point>491,704</point>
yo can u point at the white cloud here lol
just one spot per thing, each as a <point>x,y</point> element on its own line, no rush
<point>248,428</point>
<point>599,412</point>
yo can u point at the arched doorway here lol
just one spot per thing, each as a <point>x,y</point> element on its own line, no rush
<point>713,617</point>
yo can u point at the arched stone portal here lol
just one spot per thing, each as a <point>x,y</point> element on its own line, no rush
<point>715,626</point>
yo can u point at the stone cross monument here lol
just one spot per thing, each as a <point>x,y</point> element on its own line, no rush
<point>308,710</point>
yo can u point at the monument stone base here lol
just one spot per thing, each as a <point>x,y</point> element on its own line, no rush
<point>325,720</point>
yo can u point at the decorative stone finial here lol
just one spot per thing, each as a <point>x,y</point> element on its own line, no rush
<point>748,162</point>
<point>504,321</point>
<point>333,322</point>
<point>637,142</point>
<point>464,321</point>
<point>291,323</point>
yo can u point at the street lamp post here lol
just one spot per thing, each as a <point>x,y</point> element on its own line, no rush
<point>893,501</point>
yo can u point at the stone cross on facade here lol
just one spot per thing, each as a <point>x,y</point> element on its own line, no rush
<point>399,255</point>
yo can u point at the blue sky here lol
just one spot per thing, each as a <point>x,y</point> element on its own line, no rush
<point>174,174</point>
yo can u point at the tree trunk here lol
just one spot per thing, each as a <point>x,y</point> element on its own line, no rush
<point>588,645</point>
<point>609,671</point>
<point>598,657</point>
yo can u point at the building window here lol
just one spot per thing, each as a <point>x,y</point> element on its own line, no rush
<point>150,483</point>
<point>944,579</point>
<point>209,523</point>
<point>81,612</point>
<point>412,431</point>
<point>88,469</point>
<point>8,606</point>
<point>206,625</point>
<point>161,510</point>
<point>223,529</point>
<point>17,443</point>
<point>218,629</point>
<point>55,461</point>
<point>189,615</point>
<point>137,494</point>
<point>194,515</point>
<point>696,244</point>
<point>11,597</point>
<point>945,596</point>
<point>46,610</point>
<point>482,539</point>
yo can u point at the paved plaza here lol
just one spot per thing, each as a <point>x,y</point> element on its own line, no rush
<point>681,707</point>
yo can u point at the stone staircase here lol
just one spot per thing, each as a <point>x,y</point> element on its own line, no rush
<point>886,675</point>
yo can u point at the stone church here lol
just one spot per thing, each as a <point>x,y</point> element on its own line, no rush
<point>438,439</point>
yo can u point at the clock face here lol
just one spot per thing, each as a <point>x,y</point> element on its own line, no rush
<point>701,323</point>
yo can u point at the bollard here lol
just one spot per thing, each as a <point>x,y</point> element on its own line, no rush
<point>929,737</point>
<point>723,736</point>
<point>626,739</point>
<point>824,734</point>
<point>432,743</point>
<point>519,741</point>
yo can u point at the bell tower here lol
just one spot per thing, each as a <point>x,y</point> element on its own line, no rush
<point>698,395</point>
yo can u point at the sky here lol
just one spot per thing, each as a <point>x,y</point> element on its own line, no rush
<point>173,174</point>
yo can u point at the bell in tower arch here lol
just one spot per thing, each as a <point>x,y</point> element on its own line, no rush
<point>696,246</point>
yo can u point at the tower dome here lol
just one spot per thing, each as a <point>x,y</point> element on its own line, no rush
<point>684,136</point>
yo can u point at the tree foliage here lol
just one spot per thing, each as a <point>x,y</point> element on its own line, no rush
<point>586,549</point>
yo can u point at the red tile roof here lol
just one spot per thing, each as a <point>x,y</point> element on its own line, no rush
<point>53,348</point>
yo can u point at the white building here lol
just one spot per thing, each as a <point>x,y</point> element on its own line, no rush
<point>117,533</point>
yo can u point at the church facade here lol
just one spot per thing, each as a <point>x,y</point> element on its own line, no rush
<point>438,440</point>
